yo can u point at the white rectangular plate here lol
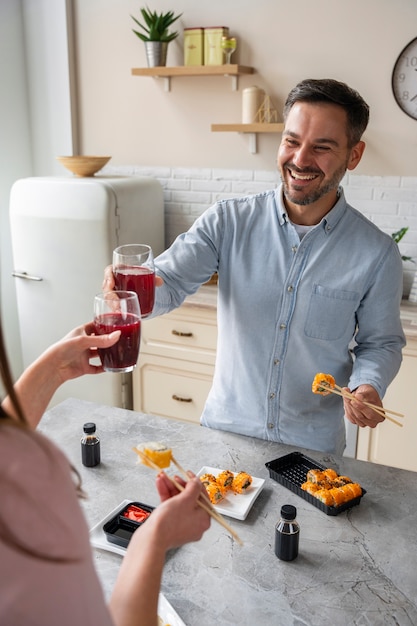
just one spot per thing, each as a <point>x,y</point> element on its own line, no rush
<point>165,611</point>
<point>98,540</point>
<point>236,505</point>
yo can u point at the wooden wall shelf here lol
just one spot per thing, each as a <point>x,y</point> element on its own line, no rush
<point>234,71</point>
<point>251,129</point>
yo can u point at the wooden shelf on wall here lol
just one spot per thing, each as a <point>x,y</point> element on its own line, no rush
<point>251,129</point>
<point>234,71</point>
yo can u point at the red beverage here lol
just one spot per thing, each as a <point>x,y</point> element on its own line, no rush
<point>138,279</point>
<point>123,355</point>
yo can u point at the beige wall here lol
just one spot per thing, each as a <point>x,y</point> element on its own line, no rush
<point>137,122</point>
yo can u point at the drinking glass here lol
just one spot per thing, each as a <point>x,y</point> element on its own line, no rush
<point>134,270</point>
<point>229,45</point>
<point>118,310</point>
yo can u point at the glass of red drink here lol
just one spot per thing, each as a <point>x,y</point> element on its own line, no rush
<point>134,270</point>
<point>118,310</point>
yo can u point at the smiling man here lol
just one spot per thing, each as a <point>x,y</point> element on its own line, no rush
<point>320,142</point>
<point>306,284</point>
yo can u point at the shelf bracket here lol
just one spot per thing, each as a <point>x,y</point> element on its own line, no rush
<point>253,148</point>
<point>167,82</point>
<point>235,81</point>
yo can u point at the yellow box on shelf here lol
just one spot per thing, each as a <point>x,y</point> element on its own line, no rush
<point>193,46</point>
<point>213,51</point>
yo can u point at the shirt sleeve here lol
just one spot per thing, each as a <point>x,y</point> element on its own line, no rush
<point>190,261</point>
<point>380,337</point>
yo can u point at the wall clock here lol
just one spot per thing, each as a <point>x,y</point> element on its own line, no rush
<point>404,79</point>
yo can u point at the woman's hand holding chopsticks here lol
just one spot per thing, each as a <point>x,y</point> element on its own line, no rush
<point>183,527</point>
<point>179,484</point>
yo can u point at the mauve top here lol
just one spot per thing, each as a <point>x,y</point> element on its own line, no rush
<point>39,506</point>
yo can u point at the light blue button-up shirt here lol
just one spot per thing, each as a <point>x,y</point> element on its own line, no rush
<point>288,309</point>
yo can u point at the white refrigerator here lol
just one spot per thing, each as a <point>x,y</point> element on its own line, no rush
<point>63,232</point>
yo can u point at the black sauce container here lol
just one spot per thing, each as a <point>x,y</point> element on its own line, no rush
<point>90,446</point>
<point>119,529</point>
<point>287,534</point>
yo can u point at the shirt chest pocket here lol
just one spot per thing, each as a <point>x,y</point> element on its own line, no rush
<point>330,313</point>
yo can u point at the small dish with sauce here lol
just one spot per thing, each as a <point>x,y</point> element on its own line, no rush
<point>120,528</point>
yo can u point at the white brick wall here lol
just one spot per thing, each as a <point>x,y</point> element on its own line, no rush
<point>388,201</point>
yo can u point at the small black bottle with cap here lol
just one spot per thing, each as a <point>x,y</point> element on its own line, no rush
<point>90,446</point>
<point>287,534</point>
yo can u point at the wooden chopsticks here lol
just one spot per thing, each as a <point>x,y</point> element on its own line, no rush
<point>206,505</point>
<point>378,409</point>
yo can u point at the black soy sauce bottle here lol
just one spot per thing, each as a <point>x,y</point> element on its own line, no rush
<point>287,534</point>
<point>90,446</point>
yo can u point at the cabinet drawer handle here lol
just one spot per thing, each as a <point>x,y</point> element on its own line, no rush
<point>179,399</point>
<point>178,333</point>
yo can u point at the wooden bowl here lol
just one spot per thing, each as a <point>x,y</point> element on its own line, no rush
<point>83,165</point>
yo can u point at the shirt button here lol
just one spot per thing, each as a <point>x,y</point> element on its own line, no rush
<point>272,395</point>
<point>276,361</point>
<point>282,326</point>
<point>270,425</point>
<point>290,288</point>
<point>294,249</point>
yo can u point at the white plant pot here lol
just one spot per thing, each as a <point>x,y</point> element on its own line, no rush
<point>156,53</point>
<point>413,293</point>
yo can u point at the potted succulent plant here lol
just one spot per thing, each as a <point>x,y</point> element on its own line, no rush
<point>155,33</point>
<point>397,236</point>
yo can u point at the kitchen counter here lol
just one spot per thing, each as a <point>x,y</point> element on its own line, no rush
<point>355,568</point>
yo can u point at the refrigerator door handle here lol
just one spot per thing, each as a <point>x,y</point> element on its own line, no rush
<point>25,275</point>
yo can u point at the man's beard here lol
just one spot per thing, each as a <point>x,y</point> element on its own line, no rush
<point>317,193</point>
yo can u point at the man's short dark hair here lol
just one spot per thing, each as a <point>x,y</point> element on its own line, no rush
<point>334,92</point>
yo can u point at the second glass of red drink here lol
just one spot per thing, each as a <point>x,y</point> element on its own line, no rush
<point>134,270</point>
<point>118,310</point>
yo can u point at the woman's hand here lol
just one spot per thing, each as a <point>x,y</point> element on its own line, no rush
<point>67,359</point>
<point>181,517</point>
<point>73,353</point>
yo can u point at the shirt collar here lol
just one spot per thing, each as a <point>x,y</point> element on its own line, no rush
<point>328,222</point>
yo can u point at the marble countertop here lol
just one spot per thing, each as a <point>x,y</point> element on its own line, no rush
<point>354,568</point>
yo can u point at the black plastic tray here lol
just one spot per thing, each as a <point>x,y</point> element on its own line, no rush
<point>119,529</point>
<point>291,471</point>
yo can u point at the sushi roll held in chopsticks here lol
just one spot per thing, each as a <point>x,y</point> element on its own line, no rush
<point>322,383</point>
<point>158,453</point>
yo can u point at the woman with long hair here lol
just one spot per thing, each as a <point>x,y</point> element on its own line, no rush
<point>47,575</point>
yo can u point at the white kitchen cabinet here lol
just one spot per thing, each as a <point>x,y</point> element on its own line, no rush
<point>389,444</point>
<point>176,363</point>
